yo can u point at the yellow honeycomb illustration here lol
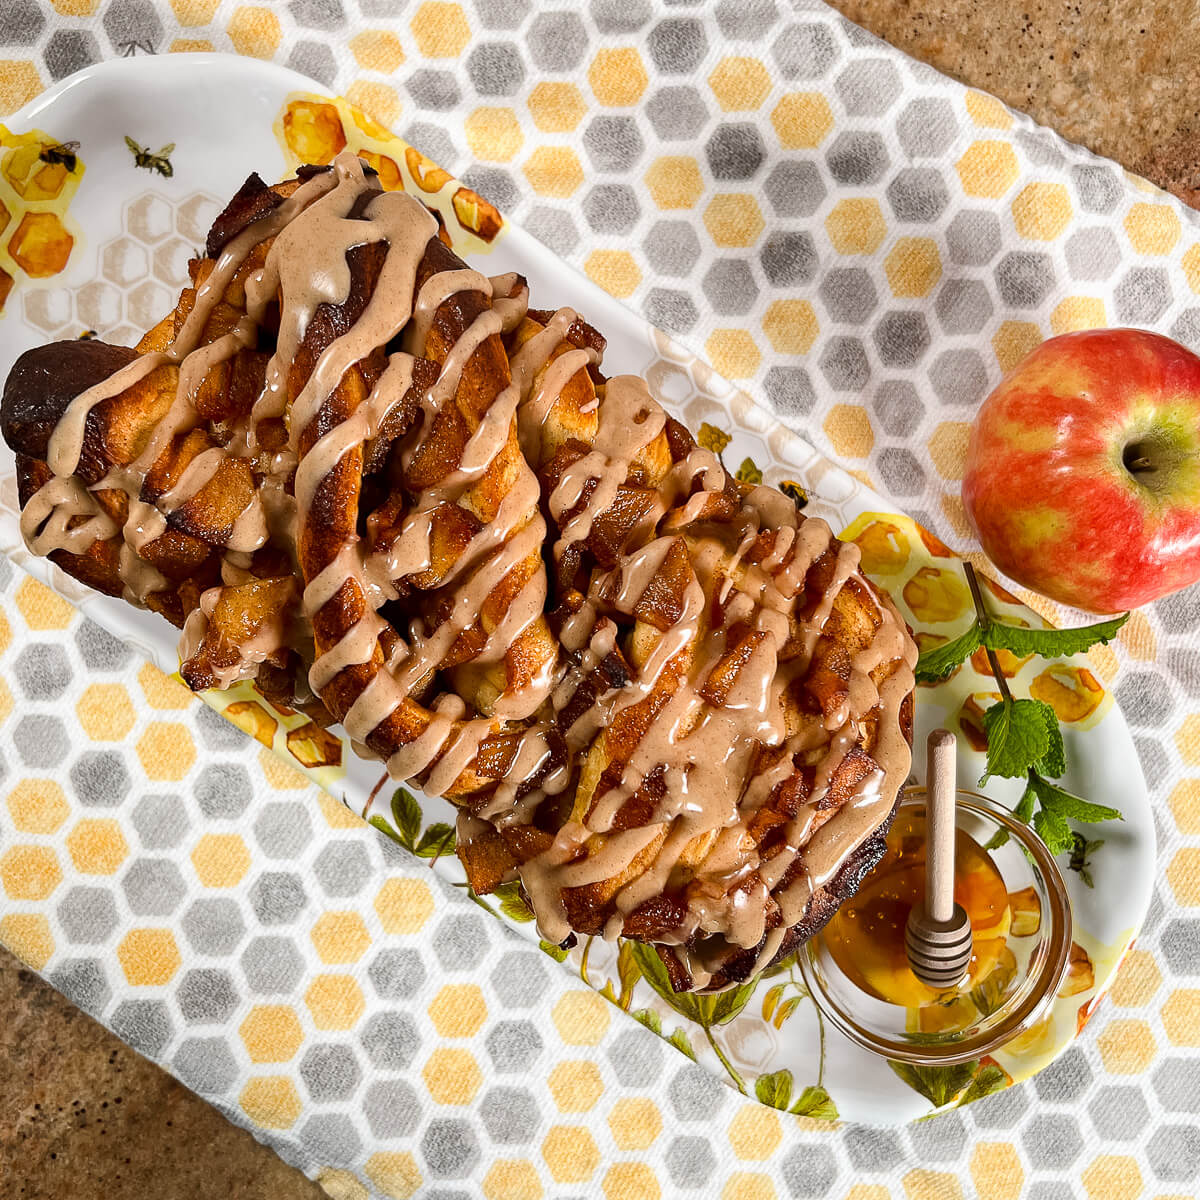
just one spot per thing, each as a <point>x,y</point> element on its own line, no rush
<point>290,734</point>
<point>38,178</point>
<point>313,129</point>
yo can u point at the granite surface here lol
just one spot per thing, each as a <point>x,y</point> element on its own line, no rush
<point>96,1118</point>
<point>1114,77</point>
<point>83,1116</point>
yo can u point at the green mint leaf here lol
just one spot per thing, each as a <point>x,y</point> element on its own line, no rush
<point>1053,830</point>
<point>1023,812</point>
<point>998,839</point>
<point>1017,738</point>
<point>938,661</point>
<point>1054,761</point>
<point>1050,643</point>
<point>774,1090</point>
<point>437,840</point>
<point>1025,806</point>
<point>406,815</point>
<point>816,1103</point>
<point>1069,807</point>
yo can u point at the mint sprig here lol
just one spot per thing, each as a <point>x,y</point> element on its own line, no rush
<point>1050,643</point>
<point>1054,761</point>
<point>1017,738</point>
<point>1021,734</point>
<point>938,661</point>
<point>1024,737</point>
<point>1063,804</point>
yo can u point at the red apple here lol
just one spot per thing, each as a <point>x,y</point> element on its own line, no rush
<point>1083,470</point>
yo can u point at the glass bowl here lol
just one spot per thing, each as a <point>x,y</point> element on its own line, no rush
<point>996,1009</point>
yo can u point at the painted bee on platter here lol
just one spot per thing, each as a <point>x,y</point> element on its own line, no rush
<point>159,161</point>
<point>63,154</point>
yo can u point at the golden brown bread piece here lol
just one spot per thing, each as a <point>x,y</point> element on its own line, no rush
<point>377,483</point>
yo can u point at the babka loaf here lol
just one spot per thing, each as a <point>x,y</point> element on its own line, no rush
<point>378,484</point>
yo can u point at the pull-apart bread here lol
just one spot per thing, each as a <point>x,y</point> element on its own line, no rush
<point>378,484</point>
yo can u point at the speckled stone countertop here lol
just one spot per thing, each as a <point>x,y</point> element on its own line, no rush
<point>102,1121</point>
<point>1115,77</point>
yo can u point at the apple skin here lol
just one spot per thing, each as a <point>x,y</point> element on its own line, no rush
<point>1083,470</point>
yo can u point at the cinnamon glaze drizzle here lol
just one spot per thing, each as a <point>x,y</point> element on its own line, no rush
<point>709,758</point>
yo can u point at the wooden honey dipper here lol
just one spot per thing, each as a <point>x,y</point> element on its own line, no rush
<point>937,937</point>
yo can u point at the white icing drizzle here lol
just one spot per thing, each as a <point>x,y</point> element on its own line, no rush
<point>63,515</point>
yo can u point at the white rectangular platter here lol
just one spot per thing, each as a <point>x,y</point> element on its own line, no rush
<point>132,233</point>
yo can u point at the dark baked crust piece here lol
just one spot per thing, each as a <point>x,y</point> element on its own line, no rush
<point>42,384</point>
<point>252,200</point>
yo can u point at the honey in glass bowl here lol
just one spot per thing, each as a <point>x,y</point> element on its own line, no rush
<point>866,937</point>
<point>856,969</point>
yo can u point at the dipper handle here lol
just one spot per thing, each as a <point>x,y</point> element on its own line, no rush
<point>940,788</point>
<point>937,937</point>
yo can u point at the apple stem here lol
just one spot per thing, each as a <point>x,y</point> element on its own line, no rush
<point>984,621</point>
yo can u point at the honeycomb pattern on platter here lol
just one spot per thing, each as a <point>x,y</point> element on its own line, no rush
<point>140,272</point>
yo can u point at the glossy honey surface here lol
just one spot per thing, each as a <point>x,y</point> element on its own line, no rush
<point>866,937</point>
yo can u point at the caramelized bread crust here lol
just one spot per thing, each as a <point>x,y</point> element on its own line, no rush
<point>379,485</point>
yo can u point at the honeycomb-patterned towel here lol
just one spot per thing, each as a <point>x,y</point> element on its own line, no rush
<point>859,240</point>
